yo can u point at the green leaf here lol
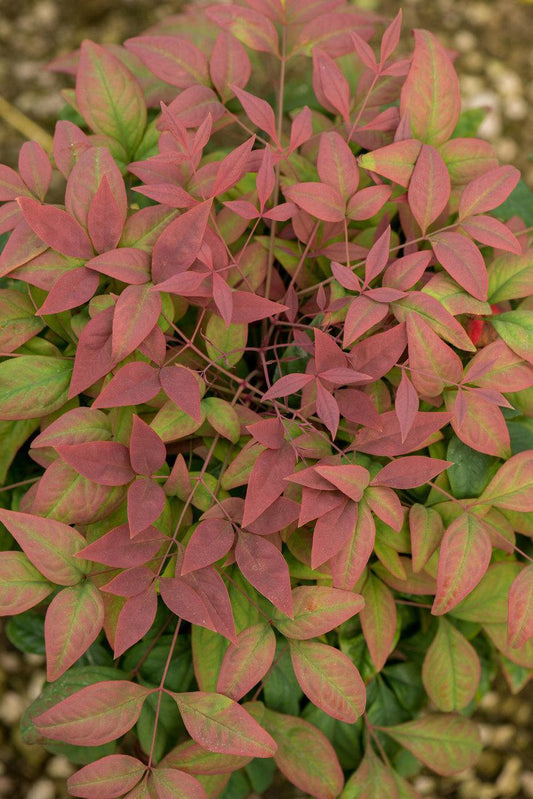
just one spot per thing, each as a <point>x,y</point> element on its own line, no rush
<point>170,423</point>
<point>223,418</point>
<point>225,344</point>
<point>519,203</point>
<point>471,471</point>
<point>487,603</point>
<point>511,276</point>
<point>404,679</point>
<point>109,97</point>
<point>281,689</point>
<point>516,329</point>
<point>445,743</point>
<point>521,434</point>
<point>152,659</point>
<point>208,650</point>
<point>18,322</point>
<point>451,671</point>
<point>260,772</point>
<point>26,632</point>
<point>169,726</point>
<point>469,122</point>
<point>32,386</point>
<point>372,779</point>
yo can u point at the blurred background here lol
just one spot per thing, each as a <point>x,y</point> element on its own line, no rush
<point>495,64</point>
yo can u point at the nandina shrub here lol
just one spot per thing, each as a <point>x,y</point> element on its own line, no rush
<point>271,359</point>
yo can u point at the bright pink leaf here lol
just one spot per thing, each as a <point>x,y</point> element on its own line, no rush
<point>318,199</point>
<point>464,263</point>
<point>56,228</point>
<point>106,778</point>
<point>330,85</point>
<point>488,191</point>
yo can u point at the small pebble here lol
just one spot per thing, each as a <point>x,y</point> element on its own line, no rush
<point>425,785</point>
<point>35,685</point>
<point>42,789</point>
<point>490,702</point>
<point>469,789</point>
<point>522,717</point>
<point>515,107</point>
<point>522,740</point>
<point>59,768</point>
<point>486,733</point>
<point>526,780</point>
<point>488,792</point>
<point>12,707</point>
<point>9,662</point>
<point>507,149</point>
<point>503,735</point>
<point>489,764</point>
<point>508,783</point>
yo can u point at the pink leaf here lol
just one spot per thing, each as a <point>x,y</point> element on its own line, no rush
<point>246,662</point>
<point>349,563</point>
<point>301,129</point>
<point>329,679</point>
<point>73,620</point>
<point>211,540</point>
<point>364,51</point>
<point>367,202</point>
<point>233,167</point>
<point>174,59</point>
<point>349,479</point>
<point>258,111</point>
<point>330,85</point>
<point>181,386</point>
<point>336,165</point>
<point>95,715</point>
<point>318,199</point>
<point>520,615</point>
<point>362,315</point>
<point>56,228</point>
<point>248,307</point>
<point>429,187</point>
<point>464,557</point>
<point>75,287</point>
<point>135,619</point>
<point>342,520</point>
<point>219,724</point>
<point>492,232</point>
<point>488,191</point>
<point>105,219</point>
<point>146,502</point>
<point>106,778</point>
<point>103,462</point>
<point>35,168</point>
<point>317,610</point>
<point>327,409</point>
<point>391,38</point>
<point>248,26</point>
<point>21,585</point>
<point>229,64</point>
<point>410,472</point>
<point>171,783</point>
<point>265,568</point>
<point>116,548</point>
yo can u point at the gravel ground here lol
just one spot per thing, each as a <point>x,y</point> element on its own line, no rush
<point>495,64</point>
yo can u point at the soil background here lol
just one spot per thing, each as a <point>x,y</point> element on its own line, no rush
<point>493,42</point>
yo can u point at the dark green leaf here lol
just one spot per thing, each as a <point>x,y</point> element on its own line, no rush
<point>471,471</point>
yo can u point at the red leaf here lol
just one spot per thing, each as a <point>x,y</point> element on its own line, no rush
<point>317,610</point>
<point>394,161</point>
<point>362,315</point>
<point>464,557</point>
<point>93,355</point>
<point>75,287</point>
<point>391,38</point>
<point>146,502</point>
<point>266,569</point>
<point>170,783</point>
<point>130,582</point>
<point>388,441</point>
<point>246,662</point>
<point>432,363</point>
<point>35,169</point>
<point>179,244</point>
<point>429,187</point>
<point>219,724</point>
<point>229,64</point>
<point>329,679</point>
<point>318,199</point>
<point>301,129</point>
<point>405,272</point>
<point>248,26</point>
<point>520,616</point>
<point>200,597</point>
<point>488,191</point>
<point>410,472</point>
<point>258,111</point>
<point>69,142</point>
<point>348,565</point>
<point>11,185</point>
<point>211,540</point>
<point>385,504</point>
<point>116,548</point>
<point>462,260</point>
<point>364,51</point>
<point>341,520</point>
<point>106,778</point>
<point>233,167</point>
<point>181,386</point>
<point>431,84</point>
<point>248,307</point>
<point>56,228</point>
<point>406,405</point>
<point>134,384</point>
<point>50,545</point>
<point>105,219</point>
<point>73,620</point>
<point>327,409</point>
<point>98,714</point>
<point>136,313</point>
<point>336,165</point>
<point>330,85</point>
<point>147,451</point>
<point>174,59</point>
<point>267,481</point>
<point>136,617</point>
<point>350,479</point>
<point>378,620</point>
<point>103,462</point>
